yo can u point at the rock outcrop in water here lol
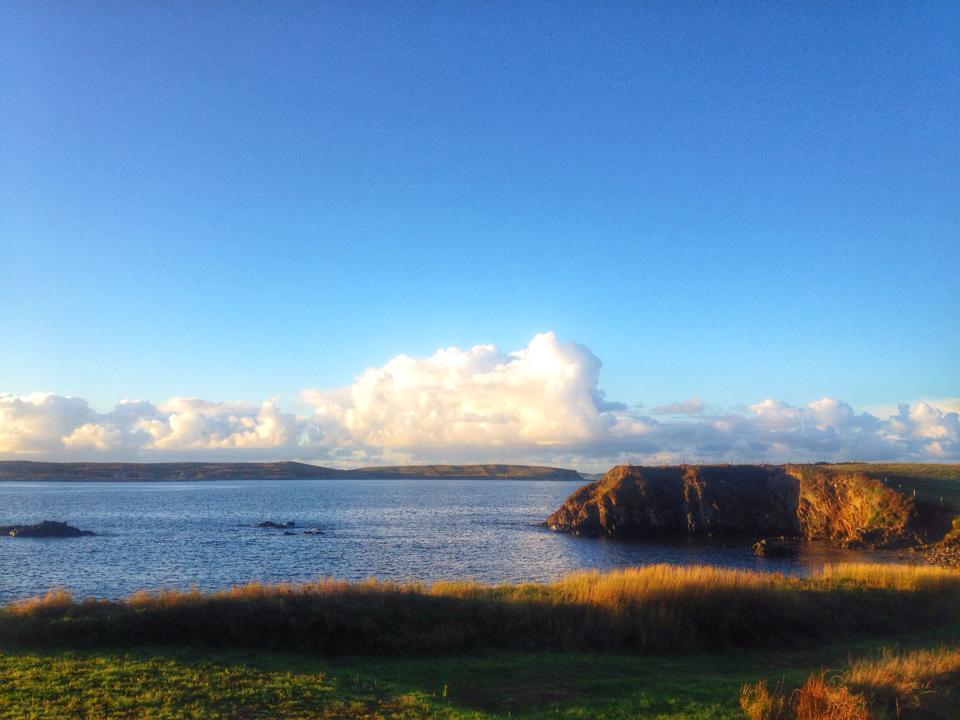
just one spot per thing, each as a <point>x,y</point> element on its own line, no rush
<point>741,500</point>
<point>45,529</point>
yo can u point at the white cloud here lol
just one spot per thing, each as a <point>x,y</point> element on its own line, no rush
<point>38,422</point>
<point>545,394</point>
<point>195,424</point>
<point>538,404</point>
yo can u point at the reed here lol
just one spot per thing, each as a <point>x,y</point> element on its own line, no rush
<point>660,607</point>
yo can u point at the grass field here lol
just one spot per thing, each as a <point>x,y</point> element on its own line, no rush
<point>936,484</point>
<point>657,642</point>
<point>165,684</point>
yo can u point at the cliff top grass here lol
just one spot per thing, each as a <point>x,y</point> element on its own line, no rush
<point>936,484</point>
<point>649,609</point>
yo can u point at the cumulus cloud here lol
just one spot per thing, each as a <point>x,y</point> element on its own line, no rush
<point>38,422</point>
<point>542,403</point>
<point>545,394</point>
<point>51,426</point>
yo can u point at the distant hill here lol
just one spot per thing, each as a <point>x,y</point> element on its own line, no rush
<point>167,472</point>
<point>473,472</point>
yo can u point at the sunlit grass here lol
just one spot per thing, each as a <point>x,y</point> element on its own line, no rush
<point>892,576</point>
<point>660,607</point>
<point>167,683</point>
<point>917,684</point>
<point>936,484</point>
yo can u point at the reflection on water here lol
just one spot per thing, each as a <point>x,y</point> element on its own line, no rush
<point>181,534</point>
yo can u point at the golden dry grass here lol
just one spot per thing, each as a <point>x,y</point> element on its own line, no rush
<point>823,697</point>
<point>759,702</point>
<point>919,684</point>
<point>635,609</point>
<point>908,682</point>
<point>892,576</point>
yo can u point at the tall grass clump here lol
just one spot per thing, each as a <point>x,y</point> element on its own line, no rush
<point>820,698</point>
<point>659,607</point>
<point>917,685</point>
<point>758,702</point>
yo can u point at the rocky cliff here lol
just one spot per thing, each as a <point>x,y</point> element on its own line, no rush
<point>852,508</point>
<point>742,500</point>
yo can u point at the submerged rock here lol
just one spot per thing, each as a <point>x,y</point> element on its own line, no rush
<point>45,529</point>
<point>269,524</point>
<point>769,547</point>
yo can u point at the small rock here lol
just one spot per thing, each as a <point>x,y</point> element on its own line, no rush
<point>269,524</point>
<point>774,548</point>
<point>45,529</point>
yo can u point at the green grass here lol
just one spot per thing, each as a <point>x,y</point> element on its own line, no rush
<point>935,484</point>
<point>166,684</point>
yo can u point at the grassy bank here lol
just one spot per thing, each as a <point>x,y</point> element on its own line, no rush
<point>566,649</point>
<point>168,684</point>
<point>657,608</point>
<point>938,485</point>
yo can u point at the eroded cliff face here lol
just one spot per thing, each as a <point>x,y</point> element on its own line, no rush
<point>740,500</point>
<point>687,500</point>
<point>628,500</point>
<point>854,509</point>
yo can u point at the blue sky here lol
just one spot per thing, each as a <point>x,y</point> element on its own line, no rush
<point>236,201</point>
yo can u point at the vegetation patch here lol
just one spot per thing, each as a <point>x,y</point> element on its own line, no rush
<point>174,684</point>
<point>655,608</point>
<point>920,685</point>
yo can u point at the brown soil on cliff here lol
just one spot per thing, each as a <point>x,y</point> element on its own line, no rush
<point>854,509</point>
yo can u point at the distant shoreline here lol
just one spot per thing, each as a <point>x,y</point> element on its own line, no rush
<point>31,471</point>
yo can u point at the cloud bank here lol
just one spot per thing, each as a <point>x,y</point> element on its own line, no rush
<point>540,404</point>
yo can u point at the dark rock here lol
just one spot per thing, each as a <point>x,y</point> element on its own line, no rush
<point>844,508</point>
<point>775,548</point>
<point>318,531</point>
<point>287,532</point>
<point>45,529</point>
<point>683,500</point>
<point>269,524</point>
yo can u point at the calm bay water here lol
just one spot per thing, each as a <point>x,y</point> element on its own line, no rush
<point>156,535</point>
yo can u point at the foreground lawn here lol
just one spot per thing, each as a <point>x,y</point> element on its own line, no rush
<point>165,683</point>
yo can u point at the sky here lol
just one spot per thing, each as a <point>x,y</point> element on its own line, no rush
<point>571,233</point>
